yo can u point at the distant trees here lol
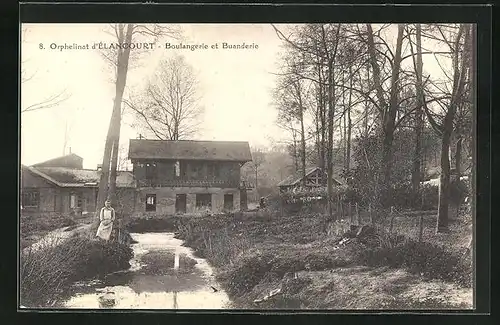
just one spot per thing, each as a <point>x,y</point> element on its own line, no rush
<point>168,107</point>
<point>366,90</point>
<point>268,168</point>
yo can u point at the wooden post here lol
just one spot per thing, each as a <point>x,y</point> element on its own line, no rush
<point>421,228</point>
<point>341,210</point>
<point>358,216</point>
<point>391,215</point>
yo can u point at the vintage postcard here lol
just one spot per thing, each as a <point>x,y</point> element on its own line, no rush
<point>322,166</point>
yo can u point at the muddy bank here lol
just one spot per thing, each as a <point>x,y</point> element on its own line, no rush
<point>51,266</point>
<point>291,263</point>
<point>163,275</point>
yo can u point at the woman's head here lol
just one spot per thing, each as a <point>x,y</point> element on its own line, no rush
<point>107,203</point>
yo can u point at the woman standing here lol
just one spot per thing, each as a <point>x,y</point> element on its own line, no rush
<point>106,217</point>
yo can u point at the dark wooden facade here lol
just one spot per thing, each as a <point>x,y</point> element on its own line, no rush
<point>186,173</point>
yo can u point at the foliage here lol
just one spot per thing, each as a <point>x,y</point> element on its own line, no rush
<point>427,259</point>
<point>48,271</point>
<point>36,223</point>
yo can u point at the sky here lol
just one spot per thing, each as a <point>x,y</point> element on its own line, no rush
<point>235,86</point>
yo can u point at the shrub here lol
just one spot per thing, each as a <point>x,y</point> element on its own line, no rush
<point>152,224</point>
<point>46,272</point>
<point>43,223</point>
<point>246,274</point>
<point>427,259</point>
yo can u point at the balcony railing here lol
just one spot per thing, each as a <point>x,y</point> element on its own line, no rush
<point>188,183</point>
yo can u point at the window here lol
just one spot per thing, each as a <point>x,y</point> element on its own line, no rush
<point>177,169</point>
<point>228,202</point>
<point>30,199</point>
<point>76,201</point>
<point>150,202</point>
<point>180,203</point>
<point>150,171</point>
<point>196,167</point>
<point>213,170</point>
<point>204,200</point>
<point>72,201</point>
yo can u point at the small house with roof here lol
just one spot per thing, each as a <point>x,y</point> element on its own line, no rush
<point>63,186</point>
<point>314,177</point>
<point>186,176</point>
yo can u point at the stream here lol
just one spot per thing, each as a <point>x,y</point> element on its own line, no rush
<point>163,275</point>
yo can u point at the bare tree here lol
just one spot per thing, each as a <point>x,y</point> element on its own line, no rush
<point>169,106</point>
<point>52,100</point>
<point>458,42</point>
<point>119,57</point>
<point>258,159</point>
<point>290,101</point>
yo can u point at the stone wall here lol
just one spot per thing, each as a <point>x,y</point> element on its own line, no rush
<point>166,197</point>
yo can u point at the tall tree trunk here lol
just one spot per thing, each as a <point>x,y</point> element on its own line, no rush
<point>321,114</point>
<point>121,82</point>
<point>106,161</point>
<point>458,84</point>
<point>349,122</point>
<point>303,145</point>
<point>458,156</point>
<point>295,160</point>
<point>323,128</point>
<point>318,136</point>
<point>390,120</point>
<point>256,183</point>
<point>472,73</point>
<point>343,132</point>
<point>331,115</point>
<point>329,153</point>
<point>114,125</point>
<point>367,108</point>
<point>416,167</point>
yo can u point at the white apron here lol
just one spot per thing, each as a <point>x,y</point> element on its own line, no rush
<point>106,225</point>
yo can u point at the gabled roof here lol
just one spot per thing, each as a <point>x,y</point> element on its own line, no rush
<point>190,150</point>
<point>69,161</point>
<point>71,177</point>
<point>296,178</point>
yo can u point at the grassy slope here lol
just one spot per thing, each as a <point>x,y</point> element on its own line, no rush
<point>254,256</point>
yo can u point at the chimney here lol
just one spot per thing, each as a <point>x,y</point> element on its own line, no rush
<point>99,166</point>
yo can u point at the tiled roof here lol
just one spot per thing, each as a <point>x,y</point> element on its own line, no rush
<point>297,177</point>
<point>190,150</point>
<point>70,177</point>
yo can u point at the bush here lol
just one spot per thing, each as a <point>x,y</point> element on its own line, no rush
<point>152,224</point>
<point>47,272</point>
<point>43,223</point>
<point>426,259</point>
<point>246,274</point>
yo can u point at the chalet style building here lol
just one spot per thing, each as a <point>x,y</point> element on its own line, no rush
<point>175,177</point>
<point>315,178</point>
<point>168,177</point>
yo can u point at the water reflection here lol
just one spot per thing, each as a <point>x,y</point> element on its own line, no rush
<point>167,285</point>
